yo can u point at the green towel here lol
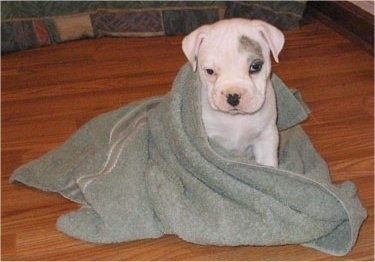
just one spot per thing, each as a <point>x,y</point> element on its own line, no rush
<point>148,169</point>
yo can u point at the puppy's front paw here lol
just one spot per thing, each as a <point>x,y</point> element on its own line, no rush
<point>265,150</point>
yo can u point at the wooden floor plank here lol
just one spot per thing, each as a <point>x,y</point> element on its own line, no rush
<point>48,93</point>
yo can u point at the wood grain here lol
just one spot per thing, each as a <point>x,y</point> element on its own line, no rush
<point>48,93</point>
<point>347,18</point>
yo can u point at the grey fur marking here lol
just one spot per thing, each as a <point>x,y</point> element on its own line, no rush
<point>250,46</point>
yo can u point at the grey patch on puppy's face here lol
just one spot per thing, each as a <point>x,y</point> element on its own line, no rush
<point>250,46</point>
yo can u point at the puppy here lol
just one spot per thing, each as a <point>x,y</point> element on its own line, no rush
<point>238,101</point>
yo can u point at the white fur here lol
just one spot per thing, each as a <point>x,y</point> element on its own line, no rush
<point>250,125</point>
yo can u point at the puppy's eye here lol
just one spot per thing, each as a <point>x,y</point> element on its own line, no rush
<point>255,66</point>
<point>210,71</point>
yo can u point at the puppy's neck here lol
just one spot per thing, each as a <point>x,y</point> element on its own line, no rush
<point>222,127</point>
<point>237,132</point>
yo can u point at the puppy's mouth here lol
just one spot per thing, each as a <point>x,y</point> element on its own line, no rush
<point>235,111</point>
<point>240,109</point>
<point>240,105</point>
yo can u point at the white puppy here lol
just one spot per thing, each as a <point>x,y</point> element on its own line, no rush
<point>238,101</point>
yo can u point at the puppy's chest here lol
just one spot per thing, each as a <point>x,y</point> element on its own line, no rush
<point>234,134</point>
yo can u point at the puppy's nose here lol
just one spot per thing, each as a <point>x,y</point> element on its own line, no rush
<point>233,99</point>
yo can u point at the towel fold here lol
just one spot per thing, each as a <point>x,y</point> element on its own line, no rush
<point>148,169</point>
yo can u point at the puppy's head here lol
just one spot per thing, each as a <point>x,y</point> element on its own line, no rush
<point>233,60</point>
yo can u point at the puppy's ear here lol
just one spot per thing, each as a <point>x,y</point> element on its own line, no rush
<point>273,36</point>
<point>191,44</point>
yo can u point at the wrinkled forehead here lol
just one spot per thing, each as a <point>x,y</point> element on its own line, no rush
<point>231,42</point>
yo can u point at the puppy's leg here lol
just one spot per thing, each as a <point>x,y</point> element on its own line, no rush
<point>265,148</point>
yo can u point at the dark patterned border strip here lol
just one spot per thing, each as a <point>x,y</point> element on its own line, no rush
<point>22,33</point>
<point>127,23</point>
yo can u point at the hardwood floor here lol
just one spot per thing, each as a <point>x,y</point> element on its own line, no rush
<point>48,93</point>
